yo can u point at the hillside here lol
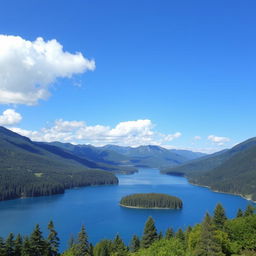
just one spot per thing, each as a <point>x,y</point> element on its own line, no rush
<point>209,162</point>
<point>236,175</point>
<point>30,169</point>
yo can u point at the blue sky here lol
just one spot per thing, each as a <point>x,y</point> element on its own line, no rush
<point>166,71</point>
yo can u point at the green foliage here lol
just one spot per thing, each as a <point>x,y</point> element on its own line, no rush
<point>151,200</point>
<point>38,245</point>
<point>149,234</point>
<point>119,248</point>
<point>219,216</point>
<point>169,233</point>
<point>134,244</point>
<point>53,240</point>
<point>249,210</point>
<point>103,248</point>
<point>239,213</point>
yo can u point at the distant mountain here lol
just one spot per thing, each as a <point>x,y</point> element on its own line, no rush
<point>209,162</point>
<point>232,171</point>
<point>154,156</point>
<point>29,168</point>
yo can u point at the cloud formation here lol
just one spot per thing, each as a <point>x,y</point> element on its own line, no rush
<point>28,68</point>
<point>197,137</point>
<point>10,117</point>
<point>218,140</point>
<point>129,133</point>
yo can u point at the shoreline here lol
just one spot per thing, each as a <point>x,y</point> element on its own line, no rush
<point>143,208</point>
<point>219,191</point>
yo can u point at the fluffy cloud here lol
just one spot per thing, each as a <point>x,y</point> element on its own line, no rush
<point>130,133</point>
<point>218,140</point>
<point>27,68</point>
<point>10,117</point>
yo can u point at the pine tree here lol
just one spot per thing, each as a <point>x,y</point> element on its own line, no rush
<point>26,249</point>
<point>135,244</point>
<point>239,213</point>
<point>180,235</point>
<point>119,246</point>
<point>208,245</point>
<point>82,246</point>
<point>18,243</point>
<point>2,247</point>
<point>37,242</point>
<point>249,210</point>
<point>160,235</point>
<point>149,234</point>
<point>53,240</point>
<point>9,245</point>
<point>71,241</point>
<point>169,233</point>
<point>219,216</point>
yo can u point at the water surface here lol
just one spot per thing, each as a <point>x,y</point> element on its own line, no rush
<point>97,207</point>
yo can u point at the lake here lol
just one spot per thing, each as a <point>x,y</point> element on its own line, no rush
<point>98,209</point>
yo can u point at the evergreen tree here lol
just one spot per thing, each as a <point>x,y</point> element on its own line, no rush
<point>9,245</point>
<point>2,247</point>
<point>119,246</point>
<point>82,246</point>
<point>239,213</point>
<point>26,249</point>
<point>71,241</point>
<point>149,234</point>
<point>37,242</point>
<point>18,244</point>
<point>219,216</point>
<point>169,233</point>
<point>135,244</point>
<point>53,240</point>
<point>180,235</point>
<point>249,210</point>
<point>208,245</point>
<point>160,235</point>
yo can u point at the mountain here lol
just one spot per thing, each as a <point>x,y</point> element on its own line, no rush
<point>231,171</point>
<point>29,168</point>
<point>236,175</point>
<point>209,162</point>
<point>154,156</point>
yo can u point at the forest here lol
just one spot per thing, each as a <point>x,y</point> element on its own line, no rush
<point>151,200</point>
<point>215,236</point>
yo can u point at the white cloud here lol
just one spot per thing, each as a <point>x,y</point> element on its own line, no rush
<point>218,140</point>
<point>130,133</point>
<point>28,68</point>
<point>10,117</point>
<point>197,138</point>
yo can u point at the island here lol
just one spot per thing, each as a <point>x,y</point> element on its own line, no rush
<point>151,201</point>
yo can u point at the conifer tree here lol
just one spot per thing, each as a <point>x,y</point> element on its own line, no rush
<point>26,249</point>
<point>37,242</point>
<point>219,216</point>
<point>2,247</point>
<point>9,245</point>
<point>53,240</point>
<point>239,213</point>
<point>135,244</point>
<point>119,246</point>
<point>160,235</point>
<point>169,233</point>
<point>180,235</point>
<point>249,210</point>
<point>71,241</point>
<point>18,244</point>
<point>208,245</point>
<point>149,234</point>
<point>82,246</point>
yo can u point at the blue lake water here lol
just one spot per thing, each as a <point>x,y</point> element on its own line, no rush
<point>98,209</point>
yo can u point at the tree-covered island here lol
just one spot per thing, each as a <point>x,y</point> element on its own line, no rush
<point>151,201</point>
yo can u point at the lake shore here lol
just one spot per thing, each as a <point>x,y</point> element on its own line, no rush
<point>143,208</point>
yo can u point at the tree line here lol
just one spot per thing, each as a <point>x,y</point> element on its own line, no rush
<point>215,236</point>
<point>151,200</point>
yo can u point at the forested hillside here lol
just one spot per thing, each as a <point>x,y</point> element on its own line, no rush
<point>232,171</point>
<point>27,169</point>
